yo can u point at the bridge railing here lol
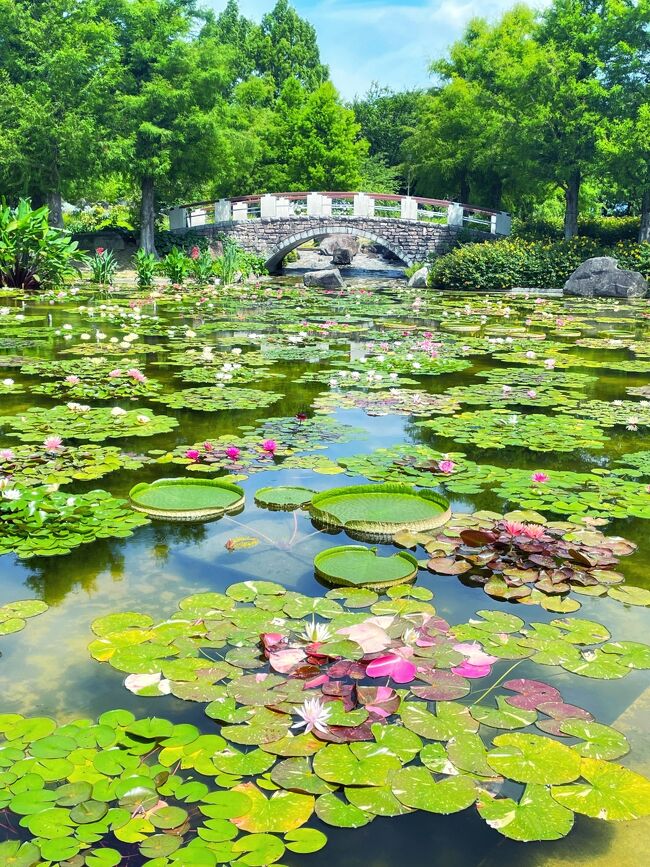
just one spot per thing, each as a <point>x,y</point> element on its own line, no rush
<point>340,204</point>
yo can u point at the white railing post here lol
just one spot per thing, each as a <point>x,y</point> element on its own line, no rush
<point>268,206</point>
<point>409,209</point>
<point>222,211</point>
<point>178,219</point>
<point>327,206</point>
<point>455,213</point>
<point>240,211</point>
<point>362,205</point>
<point>282,207</point>
<point>315,205</point>
<point>501,223</point>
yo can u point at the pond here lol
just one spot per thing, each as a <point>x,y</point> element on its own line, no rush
<point>527,413</point>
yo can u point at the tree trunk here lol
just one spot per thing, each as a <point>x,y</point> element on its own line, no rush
<point>147,215</point>
<point>55,204</point>
<point>464,191</point>
<point>644,228</point>
<point>572,194</point>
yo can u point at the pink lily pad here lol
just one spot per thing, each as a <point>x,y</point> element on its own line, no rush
<point>442,686</point>
<point>392,665</point>
<point>466,669</point>
<point>285,660</point>
<point>532,693</point>
<point>559,712</point>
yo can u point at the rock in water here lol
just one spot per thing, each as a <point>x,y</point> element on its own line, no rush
<point>329,278</point>
<point>342,248</point>
<point>601,277</point>
<point>420,278</point>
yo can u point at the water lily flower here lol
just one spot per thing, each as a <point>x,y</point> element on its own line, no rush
<point>632,423</point>
<point>301,416</point>
<point>193,454</point>
<point>233,452</point>
<point>53,444</point>
<point>118,412</point>
<point>314,714</point>
<point>114,374</point>
<point>549,364</point>
<point>136,375</point>
<point>143,419</point>
<point>6,455</point>
<point>208,446</point>
<point>195,253</point>
<point>506,389</point>
<point>269,446</point>
<point>72,380</point>
<point>531,393</point>
<point>539,478</point>
<point>8,382</point>
<point>513,528</point>
<point>533,531</point>
<point>236,350</point>
<point>11,494</point>
<point>447,467</point>
<point>531,354</point>
<point>317,633</point>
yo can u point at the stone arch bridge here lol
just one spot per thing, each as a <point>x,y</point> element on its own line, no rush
<point>273,225</point>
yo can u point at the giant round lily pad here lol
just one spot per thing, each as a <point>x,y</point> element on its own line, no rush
<point>380,511</point>
<point>284,498</point>
<point>356,566</point>
<point>186,499</point>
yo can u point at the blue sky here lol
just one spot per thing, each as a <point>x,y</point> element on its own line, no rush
<point>391,42</point>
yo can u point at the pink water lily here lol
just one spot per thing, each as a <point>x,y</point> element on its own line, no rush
<point>136,375</point>
<point>208,446</point>
<point>533,531</point>
<point>447,467</point>
<point>269,446</point>
<point>114,374</point>
<point>53,444</point>
<point>6,455</point>
<point>72,380</point>
<point>513,528</point>
<point>233,452</point>
<point>539,478</point>
<point>193,454</point>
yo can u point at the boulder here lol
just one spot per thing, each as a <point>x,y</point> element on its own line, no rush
<point>420,278</point>
<point>328,278</point>
<point>601,277</point>
<point>342,248</point>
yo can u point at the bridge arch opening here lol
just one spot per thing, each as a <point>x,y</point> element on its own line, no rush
<point>299,238</point>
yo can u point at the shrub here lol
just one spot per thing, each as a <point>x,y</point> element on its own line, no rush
<point>606,230</point>
<point>234,261</point>
<point>513,262</point>
<point>166,241</point>
<point>32,253</point>
<point>413,269</point>
<point>103,266</point>
<point>145,266</point>
<point>96,218</point>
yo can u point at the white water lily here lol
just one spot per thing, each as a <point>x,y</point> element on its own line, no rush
<point>317,631</point>
<point>314,714</point>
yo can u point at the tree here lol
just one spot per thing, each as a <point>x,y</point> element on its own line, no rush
<point>386,119</point>
<point>625,147</point>
<point>321,139</point>
<point>171,105</point>
<point>285,46</point>
<point>58,72</point>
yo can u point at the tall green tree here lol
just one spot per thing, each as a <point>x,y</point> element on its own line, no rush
<point>285,46</point>
<point>387,118</point>
<point>324,148</point>
<point>171,105</point>
<point>58,74</point>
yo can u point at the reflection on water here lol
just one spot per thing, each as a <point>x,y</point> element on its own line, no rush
<point>46,668</point>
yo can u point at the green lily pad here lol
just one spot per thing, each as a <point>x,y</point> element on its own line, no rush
<point>356,566</point>
<point>536,816</point>
<point>610,792</point>
<point>533,759</point>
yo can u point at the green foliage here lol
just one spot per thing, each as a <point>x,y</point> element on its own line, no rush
<point>605,230</point>
<point>145,267</point>
<point>517,262</point>
<point>176,266</point>
<point>117,217</point>
<point>32,254</point>
<point>103,266</point>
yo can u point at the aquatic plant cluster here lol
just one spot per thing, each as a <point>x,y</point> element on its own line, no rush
<point>488,450</point>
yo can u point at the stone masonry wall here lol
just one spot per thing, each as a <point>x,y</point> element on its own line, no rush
<point>274,238</point>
